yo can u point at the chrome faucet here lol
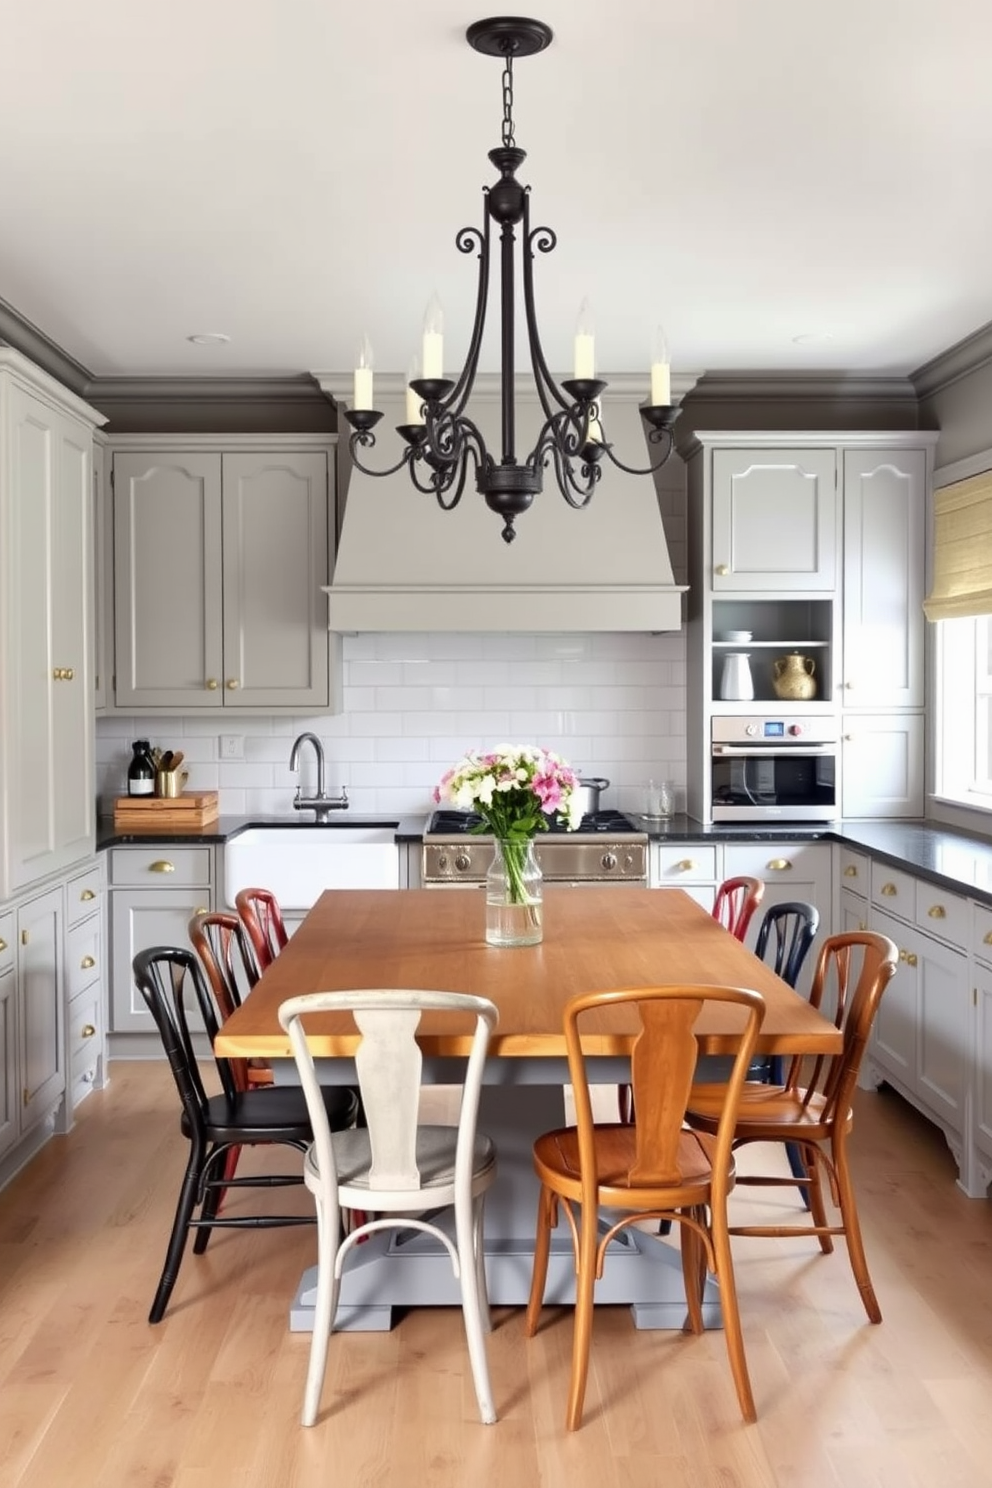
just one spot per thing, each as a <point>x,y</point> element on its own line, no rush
<point>321,804</point>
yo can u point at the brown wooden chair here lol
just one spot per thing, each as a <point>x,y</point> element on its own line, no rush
<point>262,918</point>
<point>654,1169</point>
<point>735,903</point>
<point>816,1116</point>
<point>227,958</point>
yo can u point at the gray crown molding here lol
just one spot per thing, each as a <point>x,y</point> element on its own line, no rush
<point>957,361</point>
<point>749,387</point>
<point>19,333</point>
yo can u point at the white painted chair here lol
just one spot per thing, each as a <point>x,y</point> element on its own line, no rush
<point>394,1167</point>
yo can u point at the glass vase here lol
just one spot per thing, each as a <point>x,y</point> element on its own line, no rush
<point>514,894</point>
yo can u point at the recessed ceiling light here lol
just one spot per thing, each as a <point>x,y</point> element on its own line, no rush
<point>209,338</point>
<point>808,337</point>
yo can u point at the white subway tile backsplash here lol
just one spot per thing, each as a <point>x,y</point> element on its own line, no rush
<point>611,704</point>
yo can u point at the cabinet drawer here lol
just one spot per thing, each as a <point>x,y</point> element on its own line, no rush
<point>893,891</point>
<point>83,894</point>
<point>164,865</point>
<point>772,862</point>
<point>981,938</point>
<point>942,914</point>
<point>686,863</point>
<point>854,871</point>
<point>6,942</point>
<point>85,1034</point>
<point>84,956</point>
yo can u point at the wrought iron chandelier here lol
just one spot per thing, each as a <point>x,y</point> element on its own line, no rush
<point>441,439</point>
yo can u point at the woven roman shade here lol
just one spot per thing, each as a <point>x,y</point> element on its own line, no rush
<point>962,550</point>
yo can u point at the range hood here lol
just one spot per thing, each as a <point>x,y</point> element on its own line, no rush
<point>403,564</point>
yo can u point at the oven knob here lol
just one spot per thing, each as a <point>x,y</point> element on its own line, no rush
<point>795,728</point>
<point>608,861</point>
<point>751,730</point>
<point>442,862</point>
<point>463,862</point>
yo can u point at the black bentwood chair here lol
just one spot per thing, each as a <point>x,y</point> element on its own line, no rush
<point>214,1125</point>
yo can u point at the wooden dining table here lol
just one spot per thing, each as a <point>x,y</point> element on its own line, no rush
<point>594,939</point>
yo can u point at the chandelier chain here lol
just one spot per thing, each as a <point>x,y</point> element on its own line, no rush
<point>508,140</point>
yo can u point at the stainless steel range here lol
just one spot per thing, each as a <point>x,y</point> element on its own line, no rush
<point>606,849</point>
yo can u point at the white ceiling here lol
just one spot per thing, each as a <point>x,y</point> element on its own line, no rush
<point>293,173</point>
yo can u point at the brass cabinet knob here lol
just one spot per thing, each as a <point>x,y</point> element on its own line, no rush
<point>162,866</point>
<point>723,569</point>
<point>201,911</point>
<point>849,738</point>
<point>87,894</point>
<point>212,684</point>
<point>233,684</point>
<point>87,963</point>
<point>850,871</point>
<point>58,674</point>
<point>937,912</point>
<point>988,938</point>
<point>686,865</point>
<point>88,1030</point>
<point>911,958</point>
<point>69,674</point>
<point>3,944</point>
<point>779,865</point>
<point>889,890</point>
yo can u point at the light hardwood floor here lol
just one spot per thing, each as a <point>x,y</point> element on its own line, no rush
<point>90,1394</point>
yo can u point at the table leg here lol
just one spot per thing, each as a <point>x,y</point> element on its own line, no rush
<point>409,1269</point>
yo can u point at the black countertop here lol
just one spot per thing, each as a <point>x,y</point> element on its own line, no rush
<point>958,861</point>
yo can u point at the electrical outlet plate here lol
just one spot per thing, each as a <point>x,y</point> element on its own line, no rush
<point>232,747</point>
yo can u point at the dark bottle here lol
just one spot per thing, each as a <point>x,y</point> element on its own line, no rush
<point>141,770</point>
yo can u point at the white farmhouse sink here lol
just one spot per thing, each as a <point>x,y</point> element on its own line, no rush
<point>298,863</point>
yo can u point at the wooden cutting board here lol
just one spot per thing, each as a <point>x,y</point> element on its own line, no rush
<point>166,813</point>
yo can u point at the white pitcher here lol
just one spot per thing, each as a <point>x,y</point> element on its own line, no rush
<point>735,683</point>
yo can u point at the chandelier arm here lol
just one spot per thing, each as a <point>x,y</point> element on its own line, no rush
<point>366,440</point>
<point>576,494</point>
<point>545,241</point>
<point>441,487</point>
<point>657,436</point>
<point>467,237</point>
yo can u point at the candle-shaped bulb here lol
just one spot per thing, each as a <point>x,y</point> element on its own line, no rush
<point>661,371</point>
<point>433,349</point>
<point>414,402</point>
<point>585,344</point>
<point>362,398</point>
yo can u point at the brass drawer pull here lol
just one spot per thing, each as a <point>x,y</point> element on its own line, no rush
<point>87,1030</point>
<point>780,865</point>
<point>850,871</point>
<point>889,890</point>
<point>162,866</point>
<point>87,894</point>
<point>87,963</point>
<point>937,912</point>
<point>987,938</point>
<point>686,865</point>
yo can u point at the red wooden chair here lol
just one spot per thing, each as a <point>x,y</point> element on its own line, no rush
<point>262,918</point>
<point>735,903</point>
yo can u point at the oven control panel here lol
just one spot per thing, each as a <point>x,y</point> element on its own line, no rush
<point>771,731</point>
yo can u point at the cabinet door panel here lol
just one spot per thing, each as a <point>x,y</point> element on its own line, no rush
<point>72,601</point>
<point>894,1037</point>
<point>774,519</point>
<point>8,1063</point>
<point>983,1059</point>
<point>942,1046</point>
<point>40,995</point>
<point>882,765</point>
<point>276,559</point>
<point>167,562</point>
<point>141,918</point>
<point>883,578</point>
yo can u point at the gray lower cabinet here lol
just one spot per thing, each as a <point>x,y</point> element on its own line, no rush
<point>154,893</point>
<point>8,1036</point>
<point>40,997</point>
<point>86,982</point>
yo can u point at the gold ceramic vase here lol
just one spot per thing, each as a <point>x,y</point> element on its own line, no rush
<point>793,677</point>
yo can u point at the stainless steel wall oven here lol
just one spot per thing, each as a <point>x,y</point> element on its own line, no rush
<point>774,769</point>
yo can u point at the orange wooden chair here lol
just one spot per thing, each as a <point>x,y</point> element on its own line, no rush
<point>262,918</point>
<point>817,1115</point>
<point>654,1169</point>
<point>735,903</point>
<point>228,961</point>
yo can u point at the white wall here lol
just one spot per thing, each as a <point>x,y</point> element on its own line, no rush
<point>612,704</point>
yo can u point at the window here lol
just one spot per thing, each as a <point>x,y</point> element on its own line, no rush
<point>964,711</point>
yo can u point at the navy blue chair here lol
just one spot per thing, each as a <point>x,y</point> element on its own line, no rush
<point>784,937</point>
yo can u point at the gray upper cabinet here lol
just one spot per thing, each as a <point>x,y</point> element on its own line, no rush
<point>219,561</point>
<point>774,520</point>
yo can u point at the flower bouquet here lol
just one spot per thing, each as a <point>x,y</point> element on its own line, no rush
<point>515,790</point>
